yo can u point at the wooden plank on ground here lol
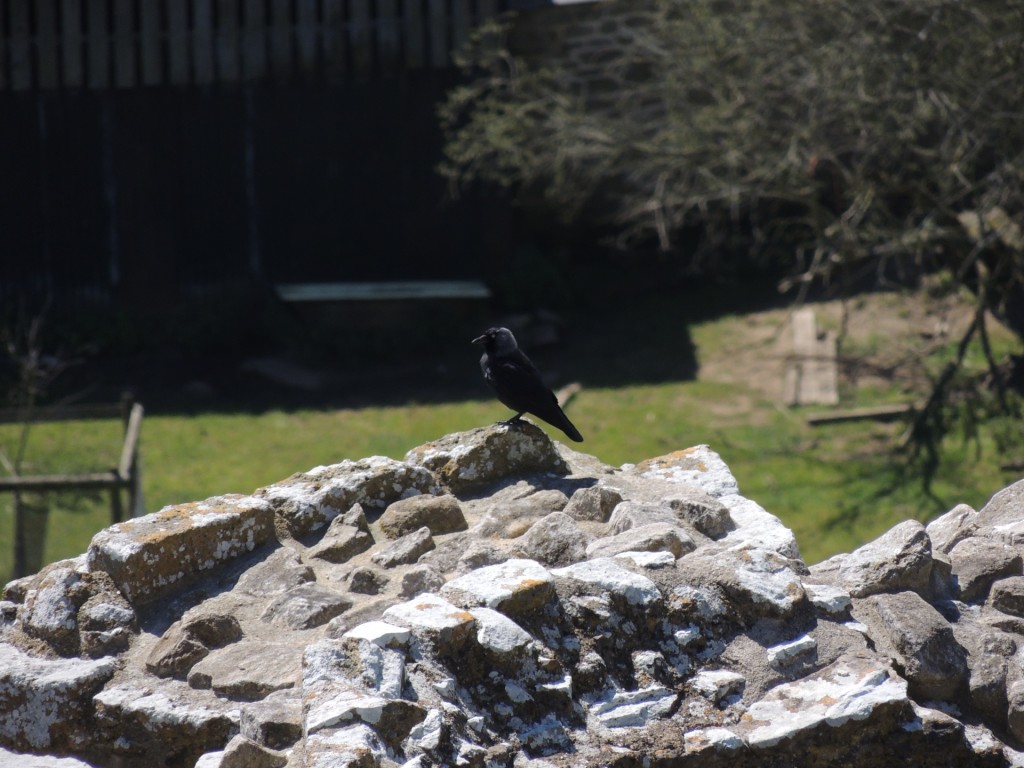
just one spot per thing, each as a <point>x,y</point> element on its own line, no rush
<point>415,35</point>
<point>306,33</point>
<point>229,65</point>
<point>57,482</point>
<point>254,39</point>
<point>280,39</point>
<point>124,43</point>
<point>179,56</point>
<point>359,35</point>
<point>812,374</point>
<point>150,44</point>
<point>202,42</point>
<point>437,13</point>
<point>97,44</point>
<point>61,413</point>
<point>21,45</point>
<point>876,413</point>
<point>334,44</point>
<point>383,291</point>
<point>46,44</point>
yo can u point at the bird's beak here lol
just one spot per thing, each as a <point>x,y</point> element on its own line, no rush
<point>480,339</point>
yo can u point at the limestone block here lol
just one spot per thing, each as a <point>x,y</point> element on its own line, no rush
<point>341,543</point>
<point>653,537</point>
<point>855,687</point>
<point>146,721</point>
<point>309,500</point>
<point>595,503</point>
<point>242,752</point>
<point>440,514</point>
<point>554,540</point>
<point>406,550</point>
<point>515,587</point>
<point>717,684</point>
<point>188,641</point>
<point>419,579</point>
<point>633,709</point>
<point>280,571</point>
<point>306,606</point>
<point>1007,595</point>
<point>607,575</point>
<point>946,531</point>
<point>46,704</point>
<point>897,560</point>
<point>435,621</point>
<point>697,466</point>
<point>275,721</point>
<point>355,746</point>
<point>481,457</point>
<point>152,556</point>
<point>248,670</point>
<point>511,518</point>
<point>704,512</point>
<point>919,640</point>
<point>635,514</point>
<point>978,561</point>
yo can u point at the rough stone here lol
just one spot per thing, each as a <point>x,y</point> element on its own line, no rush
<point>1007,595</point>
<point>977,562</point>
<point>554,540</point>
<point>948,530</point>
<point>241,752</point>
<point>440,514</point>
<point>306,606</point>
<point>341,543</point>
<point>421,578</point>
<point>899,559</point>
<point>516,588</point>
<point>309,500</point>
<point>607,575</point>
<point>593,503</point>
<point>405,550</point>
<point>512,518</point>
<point>188,641</point>
<point>47,704</point>
<point>367,581</point>
<point>654,537</point>
<point>488,455</point>
<point>704,512</point>
<point>275,721</point>
<point>151,556</point>
<point>434,621</point>
<point>919,640</point>
<point>248,670</point>
<point>279,572</point>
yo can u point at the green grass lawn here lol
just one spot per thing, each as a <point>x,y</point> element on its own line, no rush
<point>836,486</point>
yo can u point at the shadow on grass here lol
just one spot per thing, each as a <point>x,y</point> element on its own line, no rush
<point>620,323</point>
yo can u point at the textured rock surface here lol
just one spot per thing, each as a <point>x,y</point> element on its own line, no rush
<point>498,599</point>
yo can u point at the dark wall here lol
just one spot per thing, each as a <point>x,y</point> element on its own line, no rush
<point>140,196</point>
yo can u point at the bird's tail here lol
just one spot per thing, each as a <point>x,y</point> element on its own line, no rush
<point>569,428</point>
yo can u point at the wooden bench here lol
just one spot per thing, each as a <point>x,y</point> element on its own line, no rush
<point>413,290</point>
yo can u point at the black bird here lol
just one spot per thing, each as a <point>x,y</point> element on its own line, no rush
<point>517,381</point>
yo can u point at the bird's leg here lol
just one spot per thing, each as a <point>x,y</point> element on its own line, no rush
<point>514,420</point>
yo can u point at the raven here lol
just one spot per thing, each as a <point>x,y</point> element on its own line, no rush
<point>517,381</point>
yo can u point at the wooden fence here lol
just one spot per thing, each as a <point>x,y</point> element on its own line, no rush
<point>99,44</point>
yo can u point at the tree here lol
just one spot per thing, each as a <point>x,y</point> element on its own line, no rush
<point>842,138</point>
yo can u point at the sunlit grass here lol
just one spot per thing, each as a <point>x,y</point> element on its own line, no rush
<point>836,485</point>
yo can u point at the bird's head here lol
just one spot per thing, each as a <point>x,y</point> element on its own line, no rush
<point>497,341</point>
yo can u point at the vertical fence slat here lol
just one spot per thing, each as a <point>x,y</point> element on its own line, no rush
<point>202,41</point>
<point>487,9</point>
<point>21,62</point>
<point>334,37</point>
<point>150,42</point>
<point>438,33</point>
<point>177,42</point>
<point>306,34</point>
<point>254,39</point>
<point>461,24</point>
<point>124,43</point>
<point>414,33</point>
<point>387,35</point>
<point>359,34</point>
<point>98,45</point>
<point>280,38</point>
<point>228,64</point>
<point>46,43</point>
<point>71,43</point>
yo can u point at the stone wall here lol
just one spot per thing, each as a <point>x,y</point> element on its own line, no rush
<point>497,599</point>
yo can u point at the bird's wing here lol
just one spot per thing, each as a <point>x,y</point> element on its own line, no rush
<point>518,384</point>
